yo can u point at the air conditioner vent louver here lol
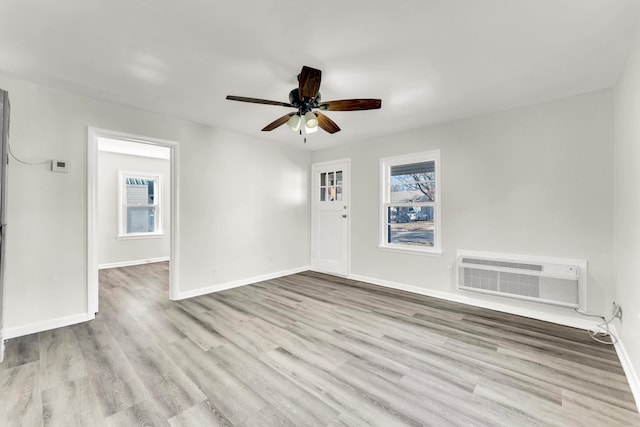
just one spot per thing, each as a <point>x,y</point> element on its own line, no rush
<point>519,266</point>
<point>546,280</point>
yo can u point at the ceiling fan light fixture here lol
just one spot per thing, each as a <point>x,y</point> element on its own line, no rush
<point>294,122</point>
<point>308,129</point>
<point>310,120</point>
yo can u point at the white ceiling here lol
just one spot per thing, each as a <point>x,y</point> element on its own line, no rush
<point>428,60</point>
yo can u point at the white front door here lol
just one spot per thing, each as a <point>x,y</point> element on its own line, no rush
<point>330,218</point>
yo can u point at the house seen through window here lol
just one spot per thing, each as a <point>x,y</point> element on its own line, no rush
<point>410,208</point>
<point>140,204</point>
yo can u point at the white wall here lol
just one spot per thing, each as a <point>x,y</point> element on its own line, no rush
<point>627,206</point>
<point>535,180</point>
<point>111,249</point>
<point>240,199</point>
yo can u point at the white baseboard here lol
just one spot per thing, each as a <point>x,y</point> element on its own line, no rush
<point>237,283</point>
<point>131,263</point>
<point>627,365</point>
<point>32,328</point>
<point>574,322</point>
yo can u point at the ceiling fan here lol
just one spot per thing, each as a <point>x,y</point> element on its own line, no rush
<point>305,99</point>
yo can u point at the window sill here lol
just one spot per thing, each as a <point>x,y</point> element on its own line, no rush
<point>411,251</point>
<point>134,236</point>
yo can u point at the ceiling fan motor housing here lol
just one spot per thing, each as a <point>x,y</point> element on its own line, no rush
<point>294,97</point>
<point>303,105</point>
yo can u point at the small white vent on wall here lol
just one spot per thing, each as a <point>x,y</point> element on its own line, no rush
<point>547,280</point>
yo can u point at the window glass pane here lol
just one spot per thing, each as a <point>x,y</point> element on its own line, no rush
<point>339,178</point>
<point>415,182</point>
<point>323,179</point>
<point>137,194</point>
<point>332,193</point>
<point>331,180</point>
<point>141,219</point>
<point>140,204</point>
<point>413,168</point>
<point>323,194</point>
<point>140,191</point>
<point>151,193</point>
<point>339,194</point>
<point>410,225</point>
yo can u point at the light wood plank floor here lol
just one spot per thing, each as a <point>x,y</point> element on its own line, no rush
<point>306,350</point>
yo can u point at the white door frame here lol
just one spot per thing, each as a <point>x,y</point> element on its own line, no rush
<point>92,209</point>
<point>347,183</point>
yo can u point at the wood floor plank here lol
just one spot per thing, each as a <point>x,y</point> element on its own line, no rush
<point>114,379</point>
<point>600,413</point>
<point>306,350</point>
<point>21,402</point>
<point>243,333</point>
<point>334,392</point>
<point>72,403</point>
<point>143,414</point>
<point>60,358</point>
<point>201,414</point>
<point>235,400</point>
<point>195,326</point>
<point>296,403</point>
<point>157,325</point>
<point>22,351</point>
<point>168,385</point>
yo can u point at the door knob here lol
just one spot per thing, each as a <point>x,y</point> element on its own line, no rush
<point>344,215</point>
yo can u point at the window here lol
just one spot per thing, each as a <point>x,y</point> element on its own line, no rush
<point>331,186</point>
<point>139,214</point>
<point>410,211</point>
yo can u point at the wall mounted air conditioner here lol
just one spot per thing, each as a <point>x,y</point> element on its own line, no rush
<point>556,281</point>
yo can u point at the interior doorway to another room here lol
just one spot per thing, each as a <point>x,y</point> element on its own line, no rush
<point>132,205</point>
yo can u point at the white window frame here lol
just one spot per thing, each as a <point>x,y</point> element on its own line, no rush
<point>385,202</point>
<point>122,206</point>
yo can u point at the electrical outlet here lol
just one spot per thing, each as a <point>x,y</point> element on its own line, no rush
<point>616,311</point>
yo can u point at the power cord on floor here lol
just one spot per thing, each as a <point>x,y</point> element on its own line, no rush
<point>596,332</point>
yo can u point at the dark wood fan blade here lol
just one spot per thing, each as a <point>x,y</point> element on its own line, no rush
<point>326,123</point>
<point>258,101</point>
<point>278,122</point>
<point>351,105</point>
<point>309,83</point>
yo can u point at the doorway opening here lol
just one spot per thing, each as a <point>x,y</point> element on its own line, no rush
<point>136,222</point>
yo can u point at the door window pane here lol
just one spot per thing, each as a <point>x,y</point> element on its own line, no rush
<point>331,186</point>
